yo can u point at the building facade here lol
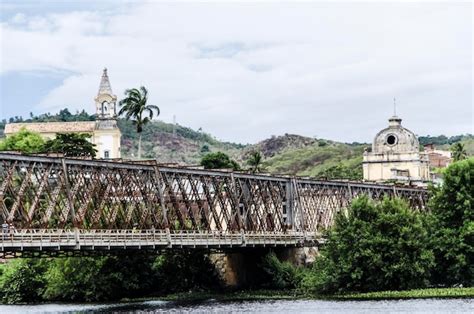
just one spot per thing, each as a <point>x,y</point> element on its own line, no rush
<point>104,131</point>
<point>396,156</point>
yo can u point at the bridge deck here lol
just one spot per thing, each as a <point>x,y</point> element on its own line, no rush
<point>84,240</point>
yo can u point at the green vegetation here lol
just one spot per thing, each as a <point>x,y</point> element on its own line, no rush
<point>410,294</point>
<point>23,141</point>
<point>292,294</point>
<point>453,227</point>
<point>371,247</point>
<point>458,152</point>
<point>342,171</point>
<point>104,278</point>
<point>71,145</point>
<point>280,275</point>
<point>173,143</point>
<point>134,107</point>
<point>219,160</point>
<point>185,271</point>
<point>22,281</point>
<point>385,246</point>
<point>255,161</point>
<point>330,160</point>
<point>442,139</point>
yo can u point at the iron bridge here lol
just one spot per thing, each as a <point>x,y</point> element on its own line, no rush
<point>59,204</point>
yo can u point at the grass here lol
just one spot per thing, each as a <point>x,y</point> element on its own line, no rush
<point>244,295</point>
<point>261,295</point>
<point>410,294</point>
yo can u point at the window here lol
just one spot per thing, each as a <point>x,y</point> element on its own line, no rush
<point>104,107</point>
<point>391,139</point>
<point>106,154</point>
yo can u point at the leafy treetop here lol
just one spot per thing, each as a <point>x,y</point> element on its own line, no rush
<point>24,141</point>
<point>219,160</point>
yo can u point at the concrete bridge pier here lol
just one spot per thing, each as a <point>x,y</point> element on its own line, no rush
<point>238,269</point>
<point>231,268</point>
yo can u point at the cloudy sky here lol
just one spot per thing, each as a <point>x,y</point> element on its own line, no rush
<point>245,71</point>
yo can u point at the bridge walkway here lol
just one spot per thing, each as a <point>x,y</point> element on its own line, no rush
<point>27,241</point>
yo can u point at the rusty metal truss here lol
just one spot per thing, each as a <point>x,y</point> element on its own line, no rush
<point>57,193</point>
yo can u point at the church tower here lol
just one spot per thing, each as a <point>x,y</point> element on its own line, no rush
<point>106,134</point>
<point>106,101</point>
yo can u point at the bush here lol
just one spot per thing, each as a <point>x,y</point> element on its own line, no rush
<point>373,247</point>
<point>453,231</point>
<point>184,271</point>
<point>280,275</point>
<point>21,281</point>
<point>99,278</point>
<point>219,160</point>
<point>24,141</point>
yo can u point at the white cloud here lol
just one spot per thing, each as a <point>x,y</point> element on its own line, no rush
<point>246,71</point>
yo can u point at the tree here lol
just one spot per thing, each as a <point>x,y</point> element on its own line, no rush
<point>190,269</point>
<point>373,247</point>
<point>21,281</point>
<point>458,151</point>
<point>453,230</point>
<point>219,160</point>
<point>71,145</point>
<point>99,278</point>
<point>24,141</point>
<point>135,108</point>
<point>255,161</point>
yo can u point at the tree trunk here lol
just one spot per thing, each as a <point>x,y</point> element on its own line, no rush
<point>139,146</point>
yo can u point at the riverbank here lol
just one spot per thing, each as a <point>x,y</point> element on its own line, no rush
<point>260,295</point>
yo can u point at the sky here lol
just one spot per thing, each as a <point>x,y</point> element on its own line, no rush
<point>244,71</point>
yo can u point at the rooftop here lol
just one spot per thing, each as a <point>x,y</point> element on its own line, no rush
<point>52,127</point>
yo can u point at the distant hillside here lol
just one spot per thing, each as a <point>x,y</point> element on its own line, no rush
<point>173,144</point>
<point>285,154</point>
<point>443,142</point>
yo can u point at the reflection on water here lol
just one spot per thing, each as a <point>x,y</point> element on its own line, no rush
<point>276,306</point>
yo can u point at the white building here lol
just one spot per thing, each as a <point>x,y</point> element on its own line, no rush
<point>396,156</point>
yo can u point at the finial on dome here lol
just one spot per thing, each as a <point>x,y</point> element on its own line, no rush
<point>394,105</point>
<point>394,120</point>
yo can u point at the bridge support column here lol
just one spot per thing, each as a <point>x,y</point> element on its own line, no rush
<point>231,268</point>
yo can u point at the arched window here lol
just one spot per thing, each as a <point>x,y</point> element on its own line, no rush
<point>106,154</point>
<point>105,107</point>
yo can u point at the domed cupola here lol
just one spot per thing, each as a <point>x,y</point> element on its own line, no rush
<point>395,139</point>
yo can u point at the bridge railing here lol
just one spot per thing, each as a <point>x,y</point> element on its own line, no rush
<point>67,240</point>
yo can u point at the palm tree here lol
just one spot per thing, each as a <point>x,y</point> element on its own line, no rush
<point>135,108</point>
<point>458,151</point>
<point>255,161</point>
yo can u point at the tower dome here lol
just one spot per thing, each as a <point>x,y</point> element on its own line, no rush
<point>395,139</point>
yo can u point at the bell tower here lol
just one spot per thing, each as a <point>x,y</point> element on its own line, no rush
<point>106,101</point>
<point>107,135</point>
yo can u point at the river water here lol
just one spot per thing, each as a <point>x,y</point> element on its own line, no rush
<point>276,306</point>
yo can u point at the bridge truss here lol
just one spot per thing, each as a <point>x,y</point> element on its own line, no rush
<point>46,193</point>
